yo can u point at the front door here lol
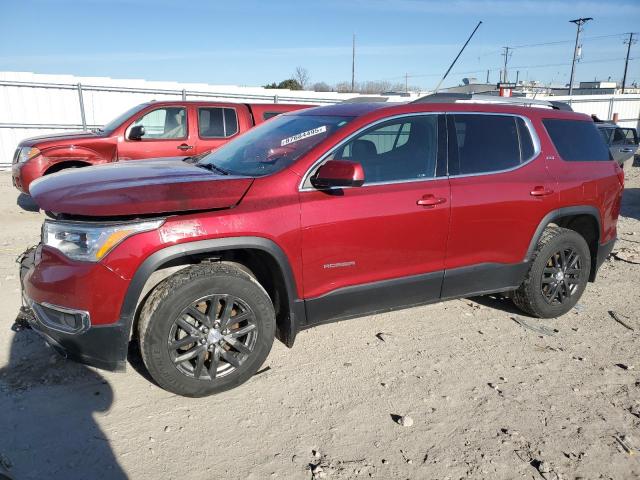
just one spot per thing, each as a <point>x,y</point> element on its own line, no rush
<point>166,135</point>
<point>381,245</point>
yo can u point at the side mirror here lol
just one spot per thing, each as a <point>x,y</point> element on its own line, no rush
<point>137,132</point>
<point>339,173</point>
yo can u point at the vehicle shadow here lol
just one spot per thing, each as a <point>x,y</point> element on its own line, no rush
<point>631,203</point>
<point>27,203</point>
<point>47,425</point>
<point>499,302</point>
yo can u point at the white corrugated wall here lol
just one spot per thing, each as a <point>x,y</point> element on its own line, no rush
<point>60,107</point>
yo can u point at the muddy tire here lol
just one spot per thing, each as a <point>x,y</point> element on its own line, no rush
<point>558,275</point>
<point>206,329</point>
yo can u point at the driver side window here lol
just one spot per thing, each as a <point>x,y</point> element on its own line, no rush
<point>397,150</point>
<point>164,123</point>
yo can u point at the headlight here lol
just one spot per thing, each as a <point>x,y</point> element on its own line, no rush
<point>27,153</point>
<point>90,242</point>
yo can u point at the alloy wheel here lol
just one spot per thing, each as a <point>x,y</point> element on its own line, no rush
<point>561,276</point>
<point>212,337</point>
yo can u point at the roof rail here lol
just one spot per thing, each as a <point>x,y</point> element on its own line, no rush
<point>363,99</point>
<point>494,99</point>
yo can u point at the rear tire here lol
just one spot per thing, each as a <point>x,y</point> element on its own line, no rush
<point>559,272</point>
<point>206,329</point>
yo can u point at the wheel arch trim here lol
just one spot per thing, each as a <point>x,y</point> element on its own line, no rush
<point>559,213</point>
<point>157,259</point>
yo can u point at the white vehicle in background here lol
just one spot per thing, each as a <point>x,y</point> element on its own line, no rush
<point>622,142</point>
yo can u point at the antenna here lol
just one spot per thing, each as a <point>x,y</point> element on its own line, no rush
<point>458,56</point>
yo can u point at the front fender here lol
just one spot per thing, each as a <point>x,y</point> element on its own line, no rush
<point>71,153</point>
<point>173,252</point>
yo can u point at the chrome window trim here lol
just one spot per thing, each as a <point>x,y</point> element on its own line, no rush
<point>307,175</point>
<point>537,149</point>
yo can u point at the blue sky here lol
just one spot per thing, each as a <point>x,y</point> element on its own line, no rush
<point>252,42</point>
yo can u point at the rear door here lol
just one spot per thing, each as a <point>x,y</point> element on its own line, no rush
<point>380,245</point>
<point>166,134</point>
<point>217,124</point>
<point>624,144</point>
<point>500,191</point>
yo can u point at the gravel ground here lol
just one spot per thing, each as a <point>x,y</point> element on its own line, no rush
<point>455,390</point>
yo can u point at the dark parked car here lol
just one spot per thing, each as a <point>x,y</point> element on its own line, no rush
<point>315,216</point>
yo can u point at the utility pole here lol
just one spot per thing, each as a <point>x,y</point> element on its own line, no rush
<point>505,75</point>
<point>580,26</point>
<point>353,64</point>
<point>406,82</point>
<point>487,76</point>
<point>517,76</point>
<point>626,62</point>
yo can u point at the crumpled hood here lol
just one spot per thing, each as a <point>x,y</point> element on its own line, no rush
<point>137,187</point>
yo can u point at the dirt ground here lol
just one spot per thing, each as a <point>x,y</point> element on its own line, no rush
<point>488,397</point>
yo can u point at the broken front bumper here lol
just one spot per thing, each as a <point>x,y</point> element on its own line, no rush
<point>70,332</point>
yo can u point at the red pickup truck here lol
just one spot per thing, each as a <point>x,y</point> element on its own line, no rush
<point>149,130</point>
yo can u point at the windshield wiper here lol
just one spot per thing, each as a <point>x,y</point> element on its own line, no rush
<point>212,167</point>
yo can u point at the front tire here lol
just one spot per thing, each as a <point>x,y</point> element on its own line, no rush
<point>206,329</point>
<point>558,275</point>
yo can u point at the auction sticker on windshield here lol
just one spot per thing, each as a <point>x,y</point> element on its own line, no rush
<point>302,135</point>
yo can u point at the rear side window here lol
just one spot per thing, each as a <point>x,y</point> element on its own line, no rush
<point>624,136</point>
<point>268,115</point>
<point>577,140</point>
<point>217,122</point>
<point>487,143</point>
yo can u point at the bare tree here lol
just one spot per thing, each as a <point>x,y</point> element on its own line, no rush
<point>321,87</point>
<point>302,76</point>
<point>343,87</point>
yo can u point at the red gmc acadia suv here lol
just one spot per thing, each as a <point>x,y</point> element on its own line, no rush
<point>315,216</point>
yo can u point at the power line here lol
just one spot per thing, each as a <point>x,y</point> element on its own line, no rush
<point>559,42</point>
<point>520,67</point>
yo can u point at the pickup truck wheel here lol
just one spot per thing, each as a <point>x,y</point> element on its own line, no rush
<point>558,275</point>
<point>206,329</point>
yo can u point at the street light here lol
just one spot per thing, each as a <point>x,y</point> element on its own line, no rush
<point>579,23</point>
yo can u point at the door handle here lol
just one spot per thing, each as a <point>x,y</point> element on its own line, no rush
<point>184,147</point>
<point>626,150</point>
<point>541,191</point>
<point>429,201</point>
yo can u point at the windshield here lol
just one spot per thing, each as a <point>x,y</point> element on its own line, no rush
<point>116,122</point>
<point>273,145</point>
